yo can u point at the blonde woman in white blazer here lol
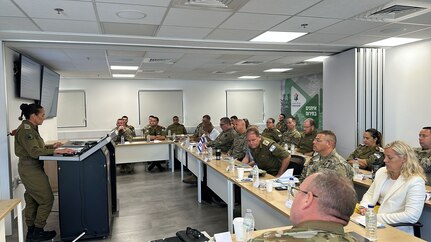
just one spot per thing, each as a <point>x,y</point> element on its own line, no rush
<point>399,187</point>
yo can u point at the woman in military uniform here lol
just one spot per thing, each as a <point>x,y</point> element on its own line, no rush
<point>370,152</point>
<point>29,145</point>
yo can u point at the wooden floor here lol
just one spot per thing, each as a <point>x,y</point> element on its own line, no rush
<point>155,205</point>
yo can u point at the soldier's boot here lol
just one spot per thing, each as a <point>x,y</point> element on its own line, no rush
<point>152,165</point>
<point>29,236</point>
<point>160,167</point>
<point>40,235</point>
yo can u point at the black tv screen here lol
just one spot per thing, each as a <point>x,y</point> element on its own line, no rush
<point>29,76</point>
<point>49,92</point>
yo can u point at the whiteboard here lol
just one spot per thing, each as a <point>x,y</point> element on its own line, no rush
<point>163,104</point>
<point>246,104</point>
<point>71,109</point>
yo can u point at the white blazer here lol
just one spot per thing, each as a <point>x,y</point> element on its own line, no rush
<point>403,203</point>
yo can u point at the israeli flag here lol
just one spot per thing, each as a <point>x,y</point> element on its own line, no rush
<point>201,144</point>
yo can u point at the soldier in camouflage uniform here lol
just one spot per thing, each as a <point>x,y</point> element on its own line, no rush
<point>199,131</point>
<point>266,153</point>
<point>126,122</point>
<point>38,196</point>
<point>225,139</point>
<point>307,137</point>
<point>156,132</point>
<point>237,151</point>
<point>176,127</point>
<point>370,153</point>
<point>424,152</point>
<point>315,219</point>
<point>292,135</point>
<point>271,132</point>
<point>281,124</point>
<point>326,157</point>
<point>122,131</point>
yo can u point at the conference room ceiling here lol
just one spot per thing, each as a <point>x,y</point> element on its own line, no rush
<point>198,39</point>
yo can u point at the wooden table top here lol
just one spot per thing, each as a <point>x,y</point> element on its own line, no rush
<point>6,206</point>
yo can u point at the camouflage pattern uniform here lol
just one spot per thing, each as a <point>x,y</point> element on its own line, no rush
<point>273,134</point>
<point>424,157</point>
<point>239,146</point>
<point>312,231</point>
<point>291,136</point>
<point>38,195</point>
<point>128,136</point>
<point>199,131</point>
<point>268,155</point>
<point>333,161</point>
<point>306,142</point>
<point>156,130</point>
<point>176,129</point>
<point>132,129</point>
<point>372,155</point>
<point>224,141</point>
<point>282,126</point>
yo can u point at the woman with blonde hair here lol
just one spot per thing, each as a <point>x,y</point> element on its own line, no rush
<point>399,187</point>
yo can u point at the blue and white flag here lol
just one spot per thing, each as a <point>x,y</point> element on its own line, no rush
<point>201,144</point>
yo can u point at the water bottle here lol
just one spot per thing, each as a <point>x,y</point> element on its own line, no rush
<point>248,224</point>
<point>292,148</point>
<point>231,164</point>
<point>174,137</point>
<point>122,139</point>
<point>355,167</point>
<point>255,175</point>
<point>286,147</point>
<point>169,133</point>
<point>290,186</point>
<point>371,223</point>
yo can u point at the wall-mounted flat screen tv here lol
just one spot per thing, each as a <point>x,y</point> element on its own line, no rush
<point>49,91</point>
<point>29,78</point>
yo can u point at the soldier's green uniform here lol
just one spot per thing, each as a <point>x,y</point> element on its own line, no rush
<point>333,161</point>
<point>156,130</point>
<point>306,142</point>
<point>38,195</point>
<point>176,129</point>
<point>239,146</point>
<point>311,231</point>
<point>224,141</point>
<point>291,137</point>
<point>372,155</point>
<point>268,155</point>
<point>132,130</point>
<point>424,157</point>
<point>282,126</point>
<point>127,133</point>
<point>273,134</point>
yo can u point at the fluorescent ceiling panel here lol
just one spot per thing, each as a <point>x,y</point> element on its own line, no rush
<point>275,36</point>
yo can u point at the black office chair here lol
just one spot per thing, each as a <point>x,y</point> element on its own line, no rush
<point>416,227</point>
<point>297,163</point>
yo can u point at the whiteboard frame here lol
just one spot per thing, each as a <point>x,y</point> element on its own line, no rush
<point>180,115</point>
<point>85,109</point>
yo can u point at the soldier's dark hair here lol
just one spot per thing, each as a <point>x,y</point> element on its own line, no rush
<point>428,127</point>
<point>272,120</point>
<point>253,130</point>
<point>329,136</point>
<point>293,118</point>
<point>125,117</point>
<point>206,116</point>
<point>376,135</point>
<point>225,120</point>
<point>28,109</point>
<point>156,118</point>
<point>175,117</point>
<point>282,114</point>
<point>234,117</point>
<point>151,116</point>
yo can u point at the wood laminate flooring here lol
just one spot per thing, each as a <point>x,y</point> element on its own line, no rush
<point>154,205</point>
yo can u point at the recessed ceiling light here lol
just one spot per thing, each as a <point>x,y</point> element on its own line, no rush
<point>276,36</point>
<point>123,75</point>
<point>131,14</point>
<point>394,41</point>
<point>317,59</point>
<point>278,70</point>
<point>125,68</point>
<point>248,77</point>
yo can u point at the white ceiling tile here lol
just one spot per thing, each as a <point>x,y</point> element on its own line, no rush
<point>129,29</point>
<point>318,38</point>
<point>350,27</point>
<point>394,29</point>
<point>75,10</point>
<point>195,18</point>
<point>421,19</point>
<point>126,53</point>
<point>8,9</point>
<point>183,32</point>
<point>233,34</point>
<point>15,23</point>
<point>252,21</point>
<point>342,9</point>
<point>161,3</point>
<point>124,60</point>
<point>58,25</point>
<point>108,13</point>
<point>421,34</point>
<point>357,40</point>
<point>295,24</point>
<point>286,7</point>
<point>163,55</point>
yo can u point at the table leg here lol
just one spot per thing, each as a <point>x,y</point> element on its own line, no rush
<point>230,204</point>
<point>20,225</point>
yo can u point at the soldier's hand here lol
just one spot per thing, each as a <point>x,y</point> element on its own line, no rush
<point>61,151</point>
<point>57,144</point>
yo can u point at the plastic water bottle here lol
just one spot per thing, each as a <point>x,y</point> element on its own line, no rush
<point>290,186</point>
<point>255,174</point>
<point>355,167</point>
<point>169,133</point>
<point>248,224</point>
<point>371,223</point>
<point>286,147</point>
<point>122,139</point>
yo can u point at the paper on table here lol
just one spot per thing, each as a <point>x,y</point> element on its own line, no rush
<point>286,176</point>
<point>223,237</point>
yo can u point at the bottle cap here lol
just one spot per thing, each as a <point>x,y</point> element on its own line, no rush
<point>370,206</point>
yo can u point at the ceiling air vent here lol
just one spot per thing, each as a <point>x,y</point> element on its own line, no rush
<point>212,4</point>
<point>224,72</point>
<point>393,12</point>
<point>158,61</point>
<point>249,63</point>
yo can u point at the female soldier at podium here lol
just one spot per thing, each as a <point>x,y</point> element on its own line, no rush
<point>29,145</point>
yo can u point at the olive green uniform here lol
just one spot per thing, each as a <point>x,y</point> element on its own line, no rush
<point>311,231</point>
<point>224,141</point>
<point>38,195</point>
<point>176,129</point>
<point>239,146</point>
<point>156,130</point>
<point>273,134</point>
<point>128,136</point>
<point>282,126</point>
<point>424,157</point>
<point>291,137</point>
<point>333,161</point>
<point>268,155</point>
<point>199,131</point>
<point>306,142</point>
<point>132,130</point>
<point>372,155</point>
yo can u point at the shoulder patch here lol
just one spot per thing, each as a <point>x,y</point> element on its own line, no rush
<point>272,148</point>
<point>29,136</point>
<point>265,142</point>
<point>27,126</point>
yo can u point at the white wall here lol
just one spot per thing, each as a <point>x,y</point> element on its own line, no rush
<point>109,99</point>
<point>407,92</point>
